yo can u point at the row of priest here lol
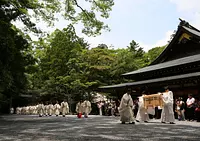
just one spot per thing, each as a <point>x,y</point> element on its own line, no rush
<point>147,103</point>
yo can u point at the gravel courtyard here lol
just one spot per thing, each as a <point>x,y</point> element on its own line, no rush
<point>95,128</point>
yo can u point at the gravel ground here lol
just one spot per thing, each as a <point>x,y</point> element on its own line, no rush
<point>94,128</point>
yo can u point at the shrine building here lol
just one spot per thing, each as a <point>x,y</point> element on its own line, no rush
<point>178,67</point>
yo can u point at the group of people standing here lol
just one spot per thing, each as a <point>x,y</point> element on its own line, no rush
<point>126,108</point>
<point>108,108</point>
<point>82,107</point>
<point>45,110</point>
<point>189,110</point>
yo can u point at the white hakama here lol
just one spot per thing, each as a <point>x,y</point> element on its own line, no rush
<point>57,109</point>
<point>64,108</point>
<point>167,114</point>
<point>125,109</point>
<point>142,114</point>
<point>86,108</point>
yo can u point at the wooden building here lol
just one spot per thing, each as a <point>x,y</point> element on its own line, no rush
<point>178,66</point>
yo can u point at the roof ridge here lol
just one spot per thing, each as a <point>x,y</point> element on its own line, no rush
<point>186,24</point>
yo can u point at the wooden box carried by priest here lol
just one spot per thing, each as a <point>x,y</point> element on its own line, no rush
<point>153,100</point>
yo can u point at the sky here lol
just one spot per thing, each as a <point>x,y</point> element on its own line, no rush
<point>149,22</point>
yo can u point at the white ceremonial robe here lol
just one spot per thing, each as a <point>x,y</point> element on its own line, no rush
<point>23,110</point>
<point>20,110</point>
<point>125,109</point>
<point>27,110</point>
<point>86,108</point>
<point>35,110</point>
<point>64,108</point>
<point>11,110</point>
<point>40,109</point>
<point>142,114</point>
<point>167,114</point>
<point>51,109</point>
<point>56,109</point>
<point>79,107</point>
<point>46,107</point>
<point>17,111</point>
<point>31,109</point>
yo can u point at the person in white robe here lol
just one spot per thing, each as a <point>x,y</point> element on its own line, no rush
<point>34,110</point>
<point>24,110</point>
<point>79,108</point>
<point>64,108</point>
<point>125,108</point>
<point>31,109</point>
<point>12,110</point>
<point>46,107</point>
<point>167,114</point>
<point>50,109</point>
<point>40,109</point>
<point>57,109</point>
<point>142,114</point>
<point>86,108</point>
<point>18,111</point>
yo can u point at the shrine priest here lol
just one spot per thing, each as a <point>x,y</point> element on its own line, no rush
<point>142,114</point>
<point>86,108</point>
<point>125,108</point>
<point>167,114</point>
<point>64,108</point>
<point>57,109</point>
<point>79,108</point>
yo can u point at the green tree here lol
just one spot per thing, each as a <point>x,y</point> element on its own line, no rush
<point>47,10</point>
<point>153,53</point>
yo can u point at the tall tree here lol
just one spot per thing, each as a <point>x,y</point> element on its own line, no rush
<point>15,57</point>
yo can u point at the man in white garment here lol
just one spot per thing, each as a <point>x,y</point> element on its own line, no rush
<point>18,110</point>
<point>142,114</point>
<point>64,108</point>
<point>79,108</point>
<point>40,109</point>
<point>167,114</point>
<point>50,109</point>
<point>46,107</point>
<point>125,108</point>
<point>12,110</point>
<point>31,108</point>
<point>57,109</point>
<point>86,108</point>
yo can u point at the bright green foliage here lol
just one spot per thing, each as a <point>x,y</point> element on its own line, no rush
<point>153,53</point>
<point>127,60</point>
<point>47,10</point>
<point>67,66</point>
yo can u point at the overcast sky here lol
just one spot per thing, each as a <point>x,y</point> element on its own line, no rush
<point>149,22</point>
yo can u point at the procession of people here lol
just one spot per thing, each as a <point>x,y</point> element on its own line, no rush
<point>129,110</point>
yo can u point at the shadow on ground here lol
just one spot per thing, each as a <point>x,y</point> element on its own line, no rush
<point>25,128</point>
